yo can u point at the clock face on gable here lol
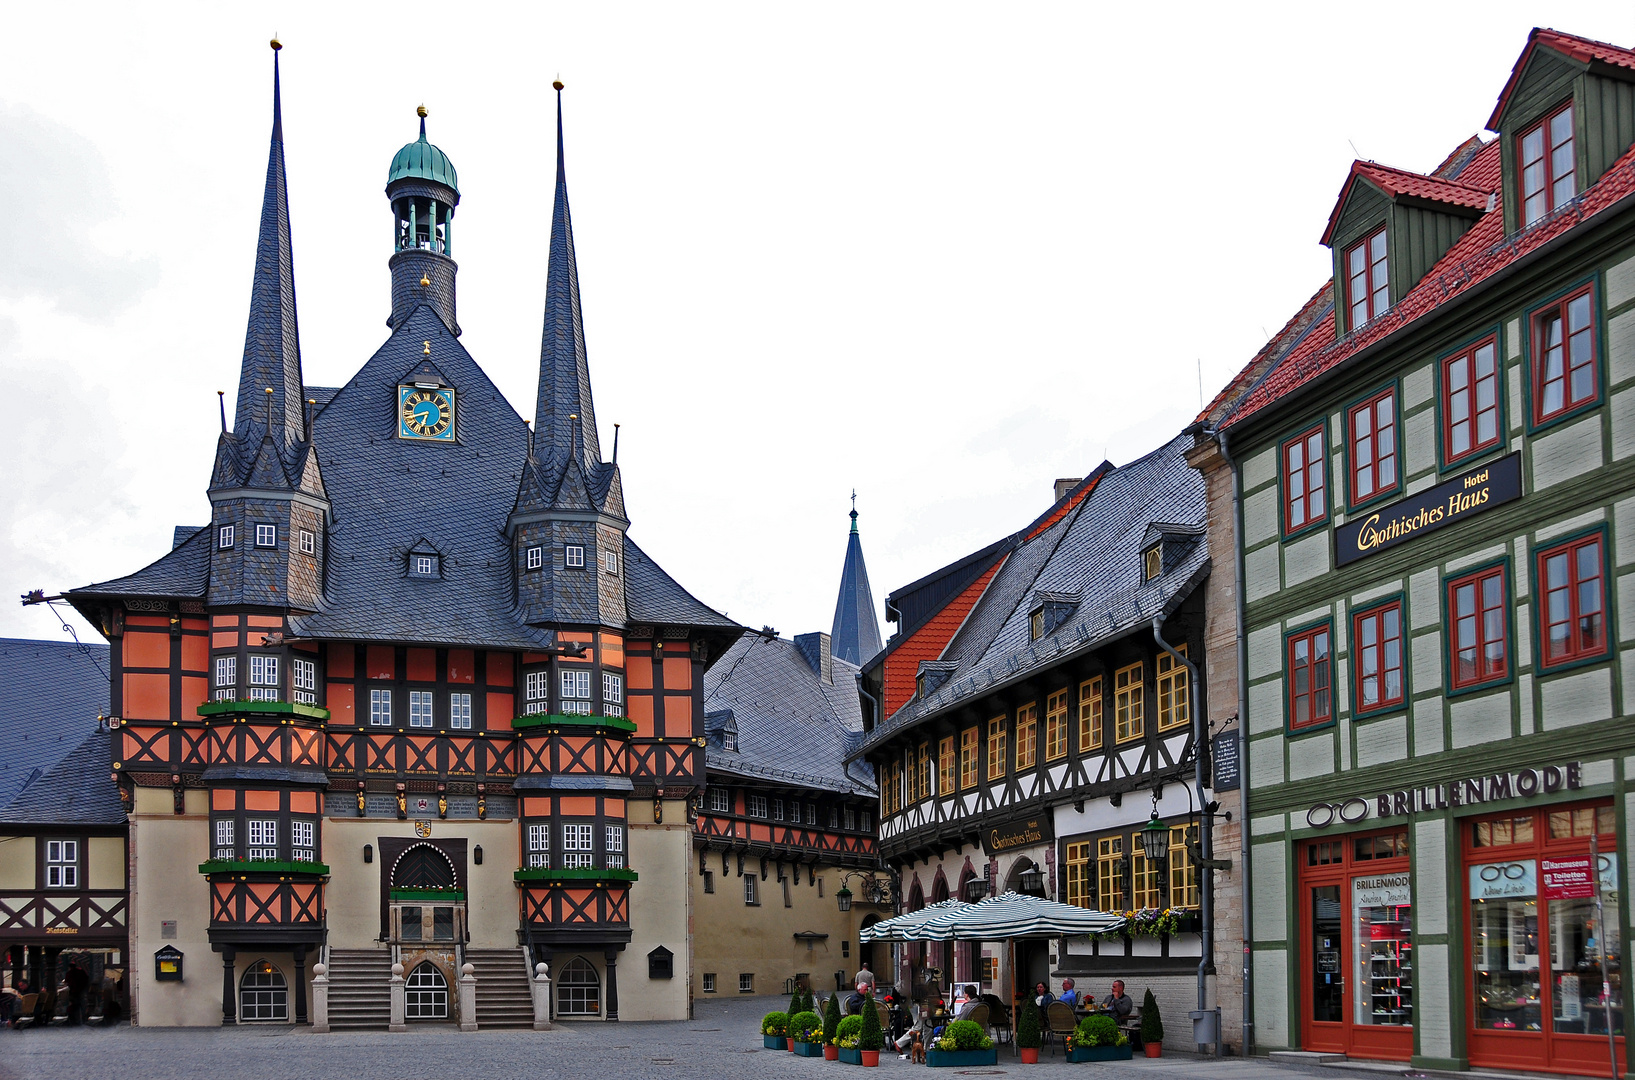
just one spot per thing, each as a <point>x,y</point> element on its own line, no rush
<point>425,413</point>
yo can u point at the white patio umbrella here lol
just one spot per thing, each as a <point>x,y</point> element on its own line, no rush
<point>897,929</point>
<point>1012,915</point>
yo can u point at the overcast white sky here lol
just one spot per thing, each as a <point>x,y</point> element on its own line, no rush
<point>941,253</point>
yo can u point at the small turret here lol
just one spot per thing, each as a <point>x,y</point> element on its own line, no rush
<point>855,635</point>
<point>424,189</point>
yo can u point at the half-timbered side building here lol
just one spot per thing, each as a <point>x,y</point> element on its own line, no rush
<point>1432,464</point>
<point>412,695</point>
<point>1032,747</point>
<point>783,820</point>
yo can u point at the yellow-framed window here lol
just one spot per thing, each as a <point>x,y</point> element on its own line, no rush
<point>996,748</point>
<point>1173,710</point>
<point>1090,714</point>
<point>1109,889</point>
<point>927,765</point>
<point>1144,874</point>
<point>947,782</point>
<point>1056,725</point>
<point>1027,736</point>
<point>1079,891</point>
<point>1183,873</point>
<point>970,741</point>
<point>1129,713</point>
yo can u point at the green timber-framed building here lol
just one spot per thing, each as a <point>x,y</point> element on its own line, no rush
<point>1429,479</point>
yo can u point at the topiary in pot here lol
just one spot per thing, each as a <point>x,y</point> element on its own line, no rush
<point>797,1003</point>
<point>775,1023</point>
<point>831,1019</point>
<point>872,1039</point>
<point>849,1031</point>
<point>1152,1026</point>
<point>1028,1033</point>
<point>806,1027</point>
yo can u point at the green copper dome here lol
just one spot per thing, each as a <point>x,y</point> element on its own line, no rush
<point>420,160</point>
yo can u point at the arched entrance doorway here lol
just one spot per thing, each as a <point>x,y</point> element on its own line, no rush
<point>425,993</point>
<point>423,867</point>
<point>942,952</point>
<point>578,989</point>
<point>424,901</point>
<point>263,994</point>
<point>876,953</point>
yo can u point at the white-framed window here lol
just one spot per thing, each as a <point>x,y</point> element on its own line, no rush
<point>709,982</point>
<point>868,821</point>
<point>263,677</point>
<point>777,809</point>
<point>424,565</point>
<point>309,542</point>
<point>226,678</point>
<point>304,674</point>
<point>834,818</point>
<point>263,838</point>
<point>539,846</point>
<point>851,819</point>
<point>612,694</point>
<point>576,691</point>
<point>576,846</point>
<point>746,983</point>
<point>459,711</point>
<point>613,847</point>
<point>752,890</point>
<point>610,562</point>
<point>420,708</point>
<point>536,558</point>
<point>225,848</point>
<point>536,687</point>
<point>380,708</point>
<point>224,537</point>
<point>574,555</point>
<point>720,800</point>
<point>62,864</point>
<point>811,813</point>
<point>302,835</point>
<point>266,536</point>
<point>757,806</point>
<point>729,740</point>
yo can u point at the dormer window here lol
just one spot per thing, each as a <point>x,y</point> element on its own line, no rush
<point>1052,610</point>
<point>422,566</point>
<point>1038,624</point>
<point>1152,562</point>
<point>1368,292</point>
<point>1548,180</point>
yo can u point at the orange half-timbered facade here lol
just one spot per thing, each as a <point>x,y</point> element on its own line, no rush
<point>412,696</point>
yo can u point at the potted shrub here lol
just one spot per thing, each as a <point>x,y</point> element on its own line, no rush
<point>872,1039</point>
<point>831,1028</point>
<point>1097,1038</point>
<point>962,1043</point>
<point>1028,1032</point>
<point>775,1030</point>
<point>806,1033</point>
<point>848,1033</point>
<point>1152,1027</point>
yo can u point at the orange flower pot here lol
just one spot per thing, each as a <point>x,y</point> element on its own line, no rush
<point>871,1058</point>
<point>1030,1056</point>
<point>831,1053</point>
<point>1153,1049</point>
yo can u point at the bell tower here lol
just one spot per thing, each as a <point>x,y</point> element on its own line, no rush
<point>424,190</point>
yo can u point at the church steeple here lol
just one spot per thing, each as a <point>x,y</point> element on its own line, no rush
<point>272,344</point>
<point>855,635</point>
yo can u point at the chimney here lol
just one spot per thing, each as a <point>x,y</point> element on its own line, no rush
<point>1066,484</point>
<point>815,647</point>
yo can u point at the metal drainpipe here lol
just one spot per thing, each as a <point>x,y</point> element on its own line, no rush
<point>1220,438</point>
<point>1206,895</point>
<point>874,701</point>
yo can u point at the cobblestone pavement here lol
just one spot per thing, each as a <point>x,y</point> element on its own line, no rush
<point>722,1043</point>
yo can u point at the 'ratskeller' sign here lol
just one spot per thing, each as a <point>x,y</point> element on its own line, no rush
<point>1466,495</point>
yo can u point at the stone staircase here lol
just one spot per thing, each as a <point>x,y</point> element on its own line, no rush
<point>504,998</point>
<point>360,988</point>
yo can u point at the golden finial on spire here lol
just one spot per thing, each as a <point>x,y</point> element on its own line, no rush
<point>428,348</point>
<point>421,112</point>
<point>557,85</point>
<point>425,282</point>
<point>275,43</point>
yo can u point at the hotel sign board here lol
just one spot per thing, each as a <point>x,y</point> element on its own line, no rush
<point>1470,493</point>
<point>1019,833</point>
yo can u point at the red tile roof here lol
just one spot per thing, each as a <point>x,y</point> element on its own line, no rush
<point>1482,252</point>
<point>1397,182</point>
<point>1584,50</point>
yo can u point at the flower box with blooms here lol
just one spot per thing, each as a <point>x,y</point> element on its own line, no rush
<point>775,1030</point>
<point>962,1043</point>
<point>1097,1038</point>
<point>1154,923</point>
<point>806,1031</point>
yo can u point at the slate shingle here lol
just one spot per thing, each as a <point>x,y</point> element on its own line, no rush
<point>51,693</point>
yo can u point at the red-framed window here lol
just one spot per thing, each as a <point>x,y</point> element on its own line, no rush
<point>1573,621</point>
<point>1480,641</point>
<point>1310,702</point>
<point>1305,484</point>
<point>1368,290</point>
<point>1371,430</point>
<point>1546,152</point>
<point>1376,637</point>
<point>1470,401</point>
<point>1564,362</point>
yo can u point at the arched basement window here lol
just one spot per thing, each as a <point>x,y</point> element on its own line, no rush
<point>578,990</point>
<point>263,994</point>
<point>425,996</point>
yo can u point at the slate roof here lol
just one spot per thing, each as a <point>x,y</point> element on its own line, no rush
<point>855,633</point>
<point>183,572</point>
<point>1094,551</point>
<point>1481,254</point>
<point>77,790</point>
<point>51,693</point>
<point>793,728</point>
<point>652,596</point>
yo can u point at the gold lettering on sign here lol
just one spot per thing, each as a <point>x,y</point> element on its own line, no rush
<point>62,930</point>
<point>1031,833</point>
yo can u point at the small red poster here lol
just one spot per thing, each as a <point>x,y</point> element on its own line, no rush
<point>1567,879</point>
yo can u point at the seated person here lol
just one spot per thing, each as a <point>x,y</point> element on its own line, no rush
<point>1118,1003</point>
<point>854,1003</point>
<point>1042,995</point>
<point>968,1000</point>
<point>1069,995</point>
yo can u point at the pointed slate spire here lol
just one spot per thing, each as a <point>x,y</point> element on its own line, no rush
<point>855,635</point>
<point>272,348</point>
<point>565,418</point>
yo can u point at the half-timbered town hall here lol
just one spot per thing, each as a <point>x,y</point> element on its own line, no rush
<point>412,696</point>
